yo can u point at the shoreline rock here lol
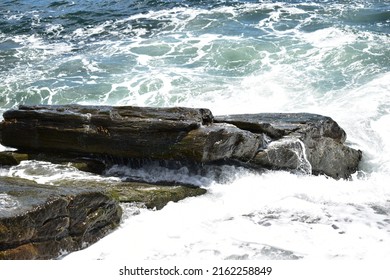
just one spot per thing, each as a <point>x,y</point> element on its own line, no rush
<point>40,222</point>
<point>290,141</point>
<point>300,141</point>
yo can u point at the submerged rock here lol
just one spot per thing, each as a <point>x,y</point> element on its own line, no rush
<point>41,222</point>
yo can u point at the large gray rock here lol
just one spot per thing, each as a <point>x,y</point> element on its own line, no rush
<point>129,132</point>
<point>310,143</point>
<point>217,142</point>
<point>40,221</point>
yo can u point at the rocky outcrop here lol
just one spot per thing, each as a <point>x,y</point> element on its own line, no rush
<point>41,222</point>
<point>309,143</point>
<point>127,132</point>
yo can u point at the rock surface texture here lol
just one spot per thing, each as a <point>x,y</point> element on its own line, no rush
<point>310,143</point>
<point>41,222</point>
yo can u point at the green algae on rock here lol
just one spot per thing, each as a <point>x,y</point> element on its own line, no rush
<point>152,195</point>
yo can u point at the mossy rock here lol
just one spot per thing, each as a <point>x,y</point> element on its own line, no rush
<point>12,158</point>
<point>153,196</point>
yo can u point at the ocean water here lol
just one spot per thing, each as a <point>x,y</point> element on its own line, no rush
<point>325,57</point>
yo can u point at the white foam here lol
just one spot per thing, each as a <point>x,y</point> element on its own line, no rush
<point>382,130</point>
<point>90,66</point>
<point>54,29</point>
<point>7,203</point>
<point>48,173</point>
<point>295,216</point>
<point>331,37</point>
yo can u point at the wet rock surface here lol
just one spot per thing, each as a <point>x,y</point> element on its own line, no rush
<point>130,132</point>
<point>151,195</point>
<point>41,221</point>
<point>44,221</point>
<point>312,143</point>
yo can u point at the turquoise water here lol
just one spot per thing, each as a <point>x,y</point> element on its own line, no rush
<point>164,53</point>
<point>325,57</point>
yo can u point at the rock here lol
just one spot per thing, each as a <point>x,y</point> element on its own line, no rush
<point>115,131</point>
<point>12,158</point>
<point>41,222</point>
<point>277,125</point>
<point>311,143</point>
<point>125,132</point>
<point>217,142</point>
<point>286,153</point>
<point>152,195</point>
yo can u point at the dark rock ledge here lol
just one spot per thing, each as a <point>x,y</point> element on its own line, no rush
<point>39,222</point>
